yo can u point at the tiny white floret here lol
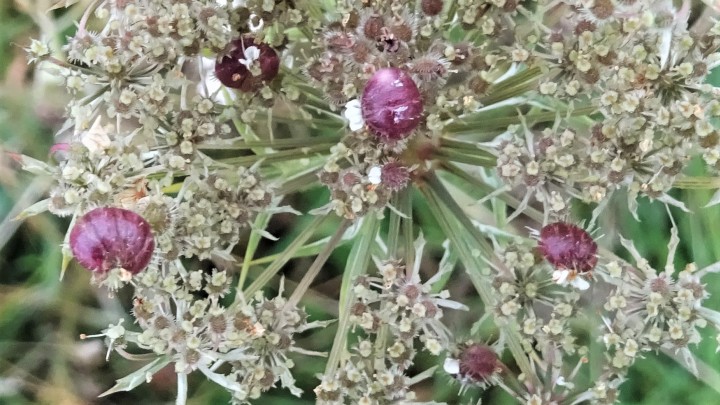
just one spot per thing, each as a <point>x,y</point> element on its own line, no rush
<point>375,175</point>
<point>353,114</point>
<point>451,366</point>
<point>252,53</point>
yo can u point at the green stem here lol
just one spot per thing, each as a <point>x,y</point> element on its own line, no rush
<point>277,143</point>
<point>517,79</point>
<point>408,234</point>
<point>697,182</point>
<point>318,264</point>
<point>357,265</point>
<point>297,183</point>
<point>470,124</point>
<point>448,214</point>
<point>477,184</point>
<point>260,223</point>
<point>283,258</point>
<point>453,143</point>
<point>394,226</point>
<point>482,159</point>
<point>286,155</point>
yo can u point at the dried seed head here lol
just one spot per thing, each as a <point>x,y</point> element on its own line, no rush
<point>109,238</point>
<point>192,357</point>
<point>430,309</point>
<point>394,176</point>
<point>478,363</point>
<point>218,324</point>
<point>584,25</point>
<point>510,6</point>
<point>431,7</point>
<point>429,68</point>
<point>402,29</point>
<point>567,246</point>
<point>361,52</point>
<point>478,85</point>
<point>232,70</point>
<point>660,285</point>
<point>391,104</point>
<point>372,26</point>
<point>350,178</point>
<point>339,41</point>
<point>161,322</point>
<point>603,9</point>
<point>591,76</point>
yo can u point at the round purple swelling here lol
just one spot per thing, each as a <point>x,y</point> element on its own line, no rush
<point>391,104</point>
<point>478,363</point>
<point>567,246</point>
<point>108,238</point>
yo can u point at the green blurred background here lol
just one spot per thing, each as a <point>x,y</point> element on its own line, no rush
<point>43,361</point>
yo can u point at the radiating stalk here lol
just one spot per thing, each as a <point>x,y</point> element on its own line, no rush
<point>460,145</point>
<point>398,202</point>
<point>296,184</point>
<point>478,184</point>
<point>318,264</point>
<point>408,234</point>
<point>478,122</point>
<point>182,389</point>
<point>463,157</point>
<point>452,206</point>
<point>517,79</point>
<point>283,156</point>
<point>277,143</point>
<point>260,223</point>
<point>697,182</point>
<point>287,254</point>
<point>357,264</point>
<point>462,233</point>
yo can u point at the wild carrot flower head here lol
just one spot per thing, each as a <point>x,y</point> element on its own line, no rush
<point>189,123</point>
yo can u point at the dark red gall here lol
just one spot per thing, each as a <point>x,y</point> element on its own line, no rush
<point>567,246</point>
<point>391,104</point>
<point>478,363</point>
<point>108,238</point>
<point>232,71</point>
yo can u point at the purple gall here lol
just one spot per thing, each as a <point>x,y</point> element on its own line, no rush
<point>567,246</point>
<point>476,363</point>
<point>112,238</point>
<point>391,104</point>
<point>234,69</point>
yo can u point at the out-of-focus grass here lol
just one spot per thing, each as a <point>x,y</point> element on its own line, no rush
<point>43,361</point>
<point>659,379</point>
